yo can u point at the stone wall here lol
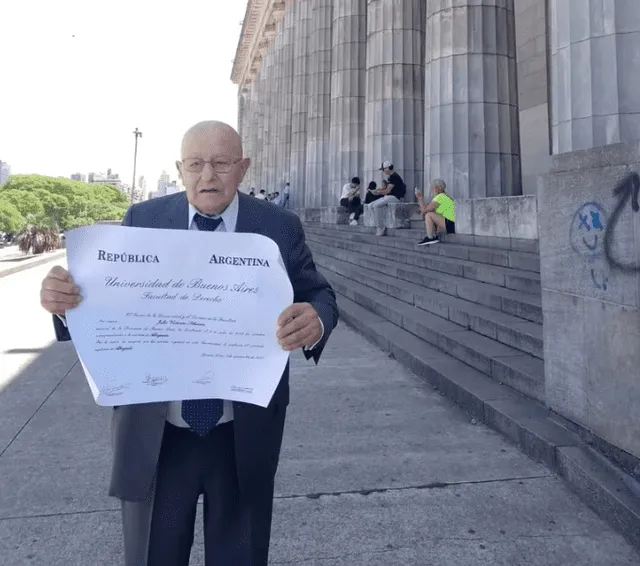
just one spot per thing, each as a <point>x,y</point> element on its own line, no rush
<point>591,305</point>
<point>500,217</point>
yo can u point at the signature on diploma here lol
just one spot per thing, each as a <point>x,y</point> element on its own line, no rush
<point>155,380</point>
<point>205,379</point>
<point>115,390</point>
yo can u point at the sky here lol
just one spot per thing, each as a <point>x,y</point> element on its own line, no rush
<point>77,77</point>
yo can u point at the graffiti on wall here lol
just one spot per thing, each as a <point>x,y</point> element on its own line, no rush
<point>626,192</point>
<point>587,235</point>
<point>592,233</point>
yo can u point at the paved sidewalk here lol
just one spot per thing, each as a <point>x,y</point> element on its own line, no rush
<point>13,260</point>
<point>376,469</point>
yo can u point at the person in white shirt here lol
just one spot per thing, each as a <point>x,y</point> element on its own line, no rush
<point>350,199</point>
<point>261,195</point>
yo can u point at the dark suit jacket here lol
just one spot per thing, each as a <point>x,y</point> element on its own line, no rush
<point>137,429</point>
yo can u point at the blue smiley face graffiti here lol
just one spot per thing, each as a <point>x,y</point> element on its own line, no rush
<point>587,230</point>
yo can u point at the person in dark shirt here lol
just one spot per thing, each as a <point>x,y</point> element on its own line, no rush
<point>393,193</point>
<point>373,193</point>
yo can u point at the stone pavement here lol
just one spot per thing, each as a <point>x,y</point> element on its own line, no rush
<point>13,260</point>
<point>376,468</point>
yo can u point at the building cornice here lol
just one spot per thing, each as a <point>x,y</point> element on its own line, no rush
<point>258,29</point>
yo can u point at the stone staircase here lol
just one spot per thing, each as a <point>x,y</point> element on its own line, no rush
<point>456,306</point>
<point>466,316</point>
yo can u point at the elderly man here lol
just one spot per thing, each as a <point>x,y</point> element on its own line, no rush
<point>168,454</point>
<point>439,214</point>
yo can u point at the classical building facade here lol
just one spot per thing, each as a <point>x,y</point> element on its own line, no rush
<point>528,109</point>
<point>479,95</point>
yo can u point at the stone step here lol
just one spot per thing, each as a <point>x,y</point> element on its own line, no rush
<point>504,327</point>
<point>516,279</point>
<point>407,283</point>
<point>536,430</point>
<point>471,314</point>
<point>518,369</point>
<point>510,330</point>
<point>389,245</point>
<point>513,244</point>
<point>509,365</point>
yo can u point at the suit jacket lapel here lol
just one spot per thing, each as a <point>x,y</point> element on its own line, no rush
<point>178,215</point>
<point>249,220</point>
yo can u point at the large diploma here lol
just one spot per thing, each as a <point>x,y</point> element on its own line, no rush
<point>169,315</point>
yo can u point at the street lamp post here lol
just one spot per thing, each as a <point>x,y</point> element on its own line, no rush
<point>137,134</point>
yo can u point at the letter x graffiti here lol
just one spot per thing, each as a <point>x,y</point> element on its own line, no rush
<point>596,224</point>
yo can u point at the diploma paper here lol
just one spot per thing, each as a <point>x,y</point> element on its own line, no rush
<point>169,315</point>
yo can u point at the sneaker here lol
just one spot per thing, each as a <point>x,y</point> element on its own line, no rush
<point>352,216</point>
<point>353,222</point>
<point>428,241</point>
<point>381,231</point>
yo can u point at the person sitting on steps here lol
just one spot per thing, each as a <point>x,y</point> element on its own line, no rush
<point>350,199</point>
<point>392,194</point>
<point>373,193</point>
<point>439,214</point>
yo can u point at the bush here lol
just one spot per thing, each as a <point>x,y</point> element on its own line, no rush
<point>38,239</point>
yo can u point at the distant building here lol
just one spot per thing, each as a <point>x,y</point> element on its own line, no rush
<point>163,182</point>
<point>173,188</point>
<point>79,177</point>
<point>141,190</point>
<point>108,179</point>
<point>5,172</point>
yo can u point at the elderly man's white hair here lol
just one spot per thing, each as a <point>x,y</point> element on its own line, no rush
<point>439,184</point>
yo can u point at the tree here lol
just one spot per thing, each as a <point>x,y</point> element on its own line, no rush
<point>27,203</point>
<point>38,239</point>
<point>11,220</point>
<point>62,203</point>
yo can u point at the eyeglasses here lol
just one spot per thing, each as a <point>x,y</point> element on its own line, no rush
<point>196,165</point>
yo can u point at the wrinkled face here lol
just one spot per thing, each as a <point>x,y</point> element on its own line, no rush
<point>212,166</point>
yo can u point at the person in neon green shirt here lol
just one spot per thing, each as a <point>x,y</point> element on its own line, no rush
<point>439,214</point>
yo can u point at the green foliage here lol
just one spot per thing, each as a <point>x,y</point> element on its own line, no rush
<point>11,221</point>
<point>61,203</point>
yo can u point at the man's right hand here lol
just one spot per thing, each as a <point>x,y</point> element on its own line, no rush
<point>59,293</point>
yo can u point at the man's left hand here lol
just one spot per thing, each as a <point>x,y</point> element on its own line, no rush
<point>298,326</point>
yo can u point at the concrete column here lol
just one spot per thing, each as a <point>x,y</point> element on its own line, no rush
<point>394,108</point>
<point>251,133</point>
<point>471,99</point>
<point>300,93</point>
<point>248,119</point>
<point>240,126</point>
<point>275,105</point>
<point>319,109</point>
<point>346,131</point>
<point>595,73</point>
<point>258,134</point>
<point>268,139</point>
<point>285,98</point>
